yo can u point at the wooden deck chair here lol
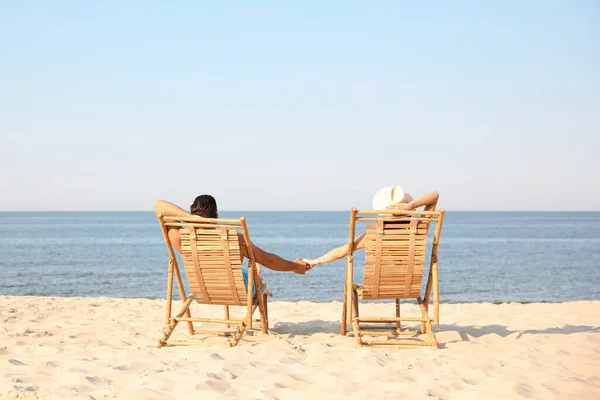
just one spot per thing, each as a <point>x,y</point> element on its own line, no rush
<point>210,250</point>
<point>394,267</point>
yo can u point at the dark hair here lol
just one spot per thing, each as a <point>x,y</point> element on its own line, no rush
<point>204,206</point>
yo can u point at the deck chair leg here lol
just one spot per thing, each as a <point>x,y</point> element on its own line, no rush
<point>356,327</point>
<point>434,342</point>
<point>354,314</point>
<point>344,327</point>
<point>171,327</point>
<point>426,308</point>
<point>169,290</point>
<point>167,333</point>
<point>427,322</point>
<point>264,315</point>
<point>398,326</point>
<point>261,300</point>
<point>355,302</point>
<point>238,335</point>
<point>436,294</point>
<point>227,316</point>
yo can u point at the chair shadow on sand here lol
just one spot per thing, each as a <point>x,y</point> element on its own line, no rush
<point>306,327</point>
<point>320,326</point>
<point>503,331</point>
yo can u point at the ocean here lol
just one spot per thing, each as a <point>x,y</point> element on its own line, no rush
<point>483,256</point>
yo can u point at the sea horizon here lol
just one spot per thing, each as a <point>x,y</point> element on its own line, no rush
<point>300,211</point>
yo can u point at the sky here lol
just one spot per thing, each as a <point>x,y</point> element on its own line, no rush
<point>306,105</point>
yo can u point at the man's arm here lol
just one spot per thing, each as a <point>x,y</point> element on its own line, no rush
<point>338,252</point>
<point>272,261</point>
<point>167,209</point>
<point>276,263</point>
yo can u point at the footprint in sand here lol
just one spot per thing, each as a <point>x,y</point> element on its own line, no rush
<point>524,390</point>
<point>94,380</point>
<point>233,371</point>
<point>16,362</point>
<point>27,389</point>
<point>437,393</point>
<point>216,385</point>
<point>297,377</point>
<point>470,382</point>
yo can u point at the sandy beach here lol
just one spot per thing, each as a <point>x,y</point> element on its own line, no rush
<point>104,348</point>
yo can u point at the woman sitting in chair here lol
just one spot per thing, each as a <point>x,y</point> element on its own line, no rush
<point>388,198</point>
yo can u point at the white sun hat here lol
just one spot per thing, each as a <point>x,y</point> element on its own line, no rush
<point>389,195</point>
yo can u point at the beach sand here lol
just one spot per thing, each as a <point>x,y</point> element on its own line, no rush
<point>102,348</point>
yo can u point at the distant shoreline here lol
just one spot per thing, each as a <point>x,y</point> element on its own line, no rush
<point>293,211</point>
<point>274,300</point>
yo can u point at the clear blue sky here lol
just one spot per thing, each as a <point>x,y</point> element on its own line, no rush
<point>313,105</point>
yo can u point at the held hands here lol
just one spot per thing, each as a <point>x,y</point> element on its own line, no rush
<point>311,263</point>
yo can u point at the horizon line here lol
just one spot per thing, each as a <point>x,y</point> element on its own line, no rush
<point>264,210</point>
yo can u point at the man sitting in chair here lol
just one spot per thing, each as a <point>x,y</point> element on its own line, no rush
<point>388,198</point>
<point>206,206</point>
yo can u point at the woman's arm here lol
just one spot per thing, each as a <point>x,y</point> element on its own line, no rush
<point>337,253</point>
<point>428,200</point>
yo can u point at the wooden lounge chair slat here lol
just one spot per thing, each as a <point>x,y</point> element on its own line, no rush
<point>390,280</point>
<point>392,259</point>
<point>391,265</point>
<point>387,291</point>
<point>377,255</point>
<point>216,285</point>
<point>396,255</point>
<point>227,262</point>
<point>411,257</point>
<point>209,265</point>
<point>374,219</point>
<point>197,275</point>
<point>399,230</point>
<point>215,274</point>
<point>193,219</point>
